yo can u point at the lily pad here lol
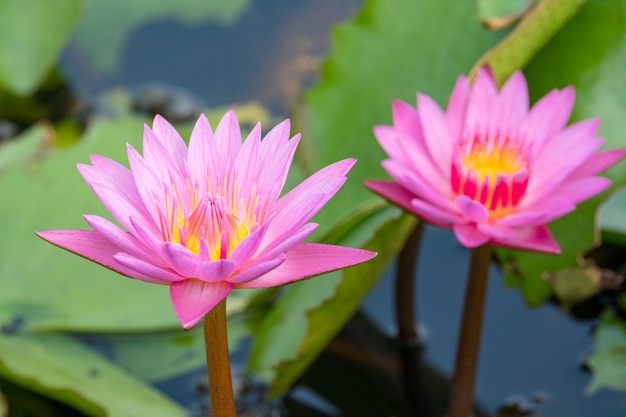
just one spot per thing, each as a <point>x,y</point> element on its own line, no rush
<point>62,368</point>
<point>608,360</point>
<point>32,34</point>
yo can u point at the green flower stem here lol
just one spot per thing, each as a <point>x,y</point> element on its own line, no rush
<point>462,391</point>
<point>218,362</point>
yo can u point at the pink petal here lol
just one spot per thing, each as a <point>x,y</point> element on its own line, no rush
<point>257,269</point>
<point>215,271</point>
<point>525,218</point>
<point>93,246</point>
<point>436,134</point>
<point>180,259</point>
<point>418,183</point>
<point>406,120</point>
<point>274,172</point>
<point>469,235</point>
<point>538,239</point>
<point>307,260</point>
<point>457,108</point>
<point>247,247</point>
<point>584,188</point>
<point>124,240</point>
<point>496,231</point>
<point>434,214</point>
<point>599,162</point>
<point>157,274</point>
<point>274,140</point>
<point>170,138</point>
<point>393,192</point>
<point>471,210</point>
<point>286,242</point>
<point>512,105</point>
<point>228,142</point>
<point>479,109</point>
<point>193,299</point>
<point>546,118</point>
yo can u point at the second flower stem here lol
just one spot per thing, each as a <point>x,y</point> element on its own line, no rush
<point>218,362</point>
<point>462,391</point>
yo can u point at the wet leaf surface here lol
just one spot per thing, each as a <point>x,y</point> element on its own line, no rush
<point>608,360</point>
<point>26,55</point>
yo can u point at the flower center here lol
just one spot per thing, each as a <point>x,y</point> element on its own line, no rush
<point>493,172</point>
<point>210,221</point>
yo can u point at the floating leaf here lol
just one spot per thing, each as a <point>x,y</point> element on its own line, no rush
<point>608,360</point>
<point>32,34</point>
<point>574,285</point>
<point>498,14</point>
<point>62,368</point>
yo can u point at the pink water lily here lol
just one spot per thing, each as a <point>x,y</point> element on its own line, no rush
<point>208,218</point>
<point>489,167</point>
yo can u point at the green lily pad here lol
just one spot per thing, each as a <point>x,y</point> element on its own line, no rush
<point>612,214</point>
<point>62,368</point>
<point>497,14</point>
<point>32,34</point>
<point>588,53</point>
<point>608,360</point>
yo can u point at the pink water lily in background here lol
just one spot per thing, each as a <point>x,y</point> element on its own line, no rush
<point>208,218</point>
<point>489,167</point>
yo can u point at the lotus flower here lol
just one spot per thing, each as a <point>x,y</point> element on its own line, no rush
<point>490,168</point>
<point>209,218</point>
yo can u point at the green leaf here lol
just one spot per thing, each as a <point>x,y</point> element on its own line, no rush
<point>32,34</point>
<point>528,37</point>
<point>612,214</point>
<point>103,46</point>
<point>588,53</point>
<point>608,360</point>
<point>496,14</point>
<point>62,368</point>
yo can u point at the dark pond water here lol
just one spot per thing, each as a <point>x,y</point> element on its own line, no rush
<point>529,357</point>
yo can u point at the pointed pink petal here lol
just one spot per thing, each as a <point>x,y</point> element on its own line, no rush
<point>180,259</point>
<point>157,274</point>
<point>193,299</point>
<point>479,109</point>
<point>433,214</point>
<point>284,243</point>
<point>392,191</point>
<point>228,140</point>
<point>307,260</point>
<point>457,108</point>
<point>124,240</point>
<point>247,164</point>
<point>169,138</point>
<point>200,157</point>
<point>546,118</point>
<point>274,140</point>
<point>406,120</point>
<point>215,271</point>
<point>418,183</point>
<point>599,162</point>
<point>583,188</point>
<point>147,182</point>
<point>469,235</point>
<point>496,231</point>
<point>436,134</point>
<point>524,218</point>
<point>538,239</point>
<point>247,247</point>
<point>553,207</point>
<point>257,269</point>
<point>512,105</point>
<point>471,210</point>
<point>91,245</point>
<point>273,173</point>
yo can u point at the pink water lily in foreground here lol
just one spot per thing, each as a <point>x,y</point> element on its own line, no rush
<point>489,167</point>
<point>208,218</point>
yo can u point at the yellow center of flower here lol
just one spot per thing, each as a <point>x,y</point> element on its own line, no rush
<point>210,222</point>
<point>493,172</point>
